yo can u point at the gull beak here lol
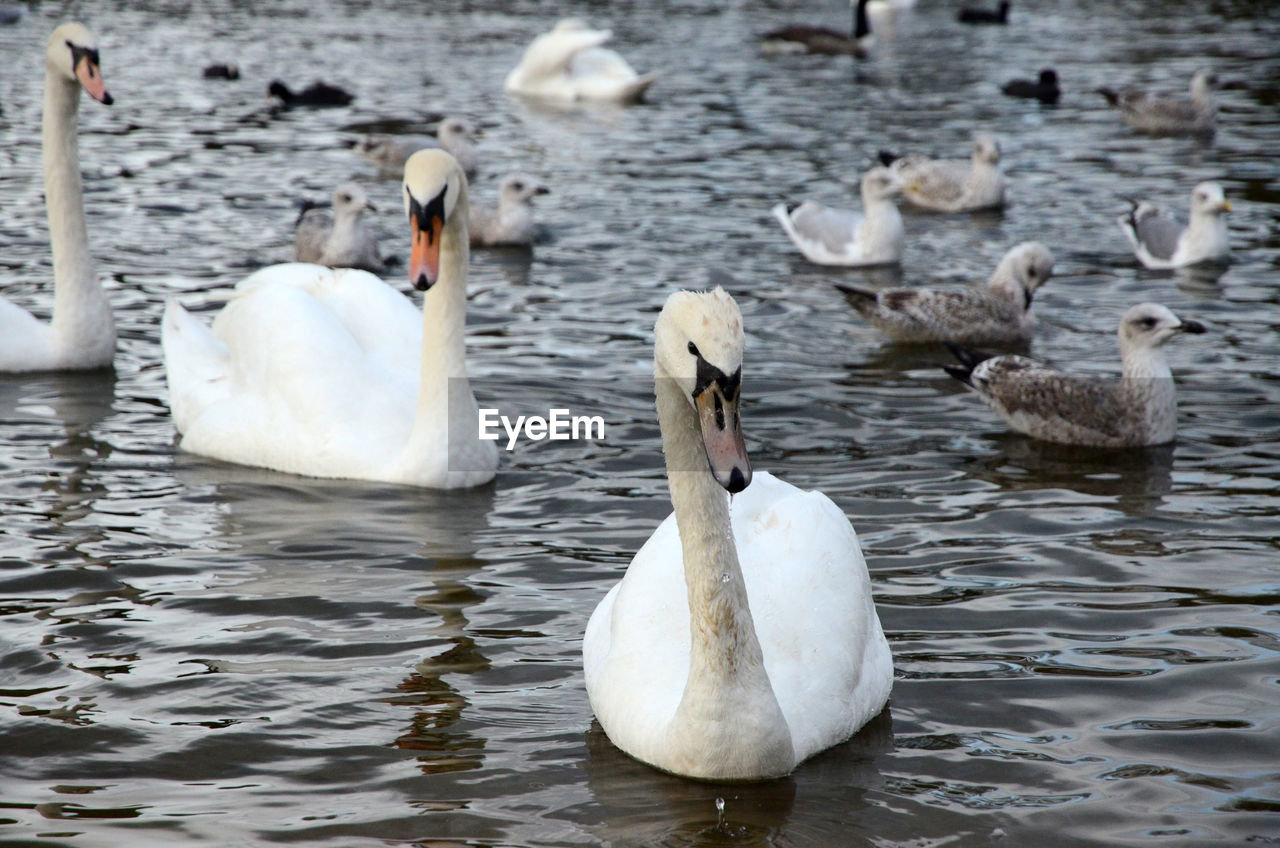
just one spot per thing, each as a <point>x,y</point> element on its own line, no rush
<point>1194,327</point>
<point>90,77</point>
<point>541,189</point>
<point>1226,206</point>
<point>722,438</point>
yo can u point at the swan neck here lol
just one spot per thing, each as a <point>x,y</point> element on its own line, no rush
<point>723,637</point>
<point>80,306</point>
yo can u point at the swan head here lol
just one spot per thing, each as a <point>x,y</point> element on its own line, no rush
<point>698,344</point>
<point>1025,268</point>
<point>435,191</point>
<point>986,150</point>
<point>1208,199</point>
<point>73,54</point>
<point>1150,325</point>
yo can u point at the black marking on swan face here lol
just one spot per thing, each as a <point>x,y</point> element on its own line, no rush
<point>729,385</point>
<point>425,213</point>
<point>79,53</point>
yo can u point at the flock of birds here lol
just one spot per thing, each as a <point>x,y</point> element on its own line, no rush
<point>743,637</point>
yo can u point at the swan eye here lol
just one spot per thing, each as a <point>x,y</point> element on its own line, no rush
<point>693,348</point>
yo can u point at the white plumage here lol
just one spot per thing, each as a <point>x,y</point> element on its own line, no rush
<point>837,237</point>
<point>1160,240</point>
<point>568,64</point>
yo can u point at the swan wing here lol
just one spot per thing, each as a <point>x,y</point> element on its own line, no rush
<point>810,594</point>
<point>550,54</point>
<point>26,342</point>
<point>292,380</point>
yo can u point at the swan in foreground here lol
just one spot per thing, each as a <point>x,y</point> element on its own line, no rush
<point>82,333</point>
<point>333,373</point>
<point>806,38</point>
<point>455,136</point>
<point>340,238</point>
<point>1160,240</point>
<point>836,237</point>
<point>999,313</point>
<point>1139,409</point>
<point>1169,115</point>
<point>743,637</point>
<point>952,185</point>
<point>570,65</point>
<point>511,221</point>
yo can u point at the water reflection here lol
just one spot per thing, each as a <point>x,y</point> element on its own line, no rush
<point>640,805</point>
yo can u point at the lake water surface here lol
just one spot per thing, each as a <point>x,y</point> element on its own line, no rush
<point>1084,641</point>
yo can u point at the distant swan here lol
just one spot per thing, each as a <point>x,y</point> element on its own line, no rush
<point>82,333</point>
<point>568,64</point>
<point>743,638</point>
<point>333,373</point>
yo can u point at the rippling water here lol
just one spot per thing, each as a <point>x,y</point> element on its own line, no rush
<point>1084,641</point>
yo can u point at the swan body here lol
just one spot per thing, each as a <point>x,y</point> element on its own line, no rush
<point>838,237</point>
<point>1042,402</point>
<point>743,637</point>
<point>331,372</point>
<point>1160,240</point>
<point>511,221</point>
<point>339,239</point>
<point>952,185</point>
<point>81,333</point>
<point>998,313</point>
<point>568,64</point>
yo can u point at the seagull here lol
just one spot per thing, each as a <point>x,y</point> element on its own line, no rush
<point>837,237</point>
<point>1042,402</point>
<point>340,239</point>
<point>1167,115</point>
<point>1045,89</point>
<point>455,136</point>
<point>511,221</point>
<point>1162,241</point>
<point>952,185</point>
<point>998,313</point>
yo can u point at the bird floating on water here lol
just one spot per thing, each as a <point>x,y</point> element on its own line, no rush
<point>339,239</point>
<point>807,38</point>
<point>318,94</point>
<point>839,237</point>
<point>999,15</point>
<point>1042,402</point>
<point>570,65</point>
<point>952,185</point>
<point>743,637</point>
<point>998,313</point>
<point>1169,115</point>
<point>1160,240</point>
<point>1045,88</point>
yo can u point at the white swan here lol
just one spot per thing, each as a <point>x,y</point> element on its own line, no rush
<point>82,333</point>
<point>568,64</point>
<point>333,373</point>
<point>743,637</point>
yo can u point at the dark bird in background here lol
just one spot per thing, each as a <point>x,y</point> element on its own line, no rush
<point>1044,89</point>
<point>222,70</point>
<point>804,38</point>
<point>316,94</point>
<point>985,16</point>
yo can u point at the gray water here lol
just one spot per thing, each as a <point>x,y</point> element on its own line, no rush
<point>1084,641</point>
